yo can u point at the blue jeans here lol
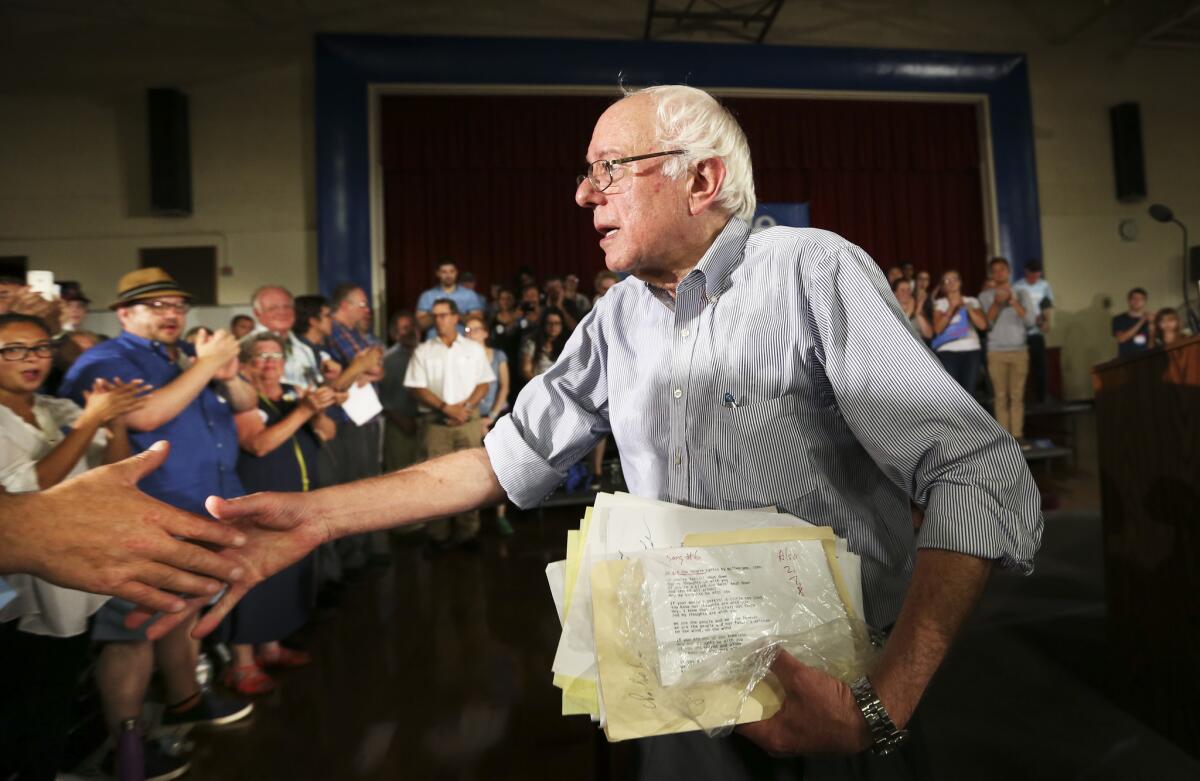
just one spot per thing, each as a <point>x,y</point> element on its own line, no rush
<point>962,366</point>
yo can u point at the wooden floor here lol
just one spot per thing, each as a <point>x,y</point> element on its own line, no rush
<point>440,669</point>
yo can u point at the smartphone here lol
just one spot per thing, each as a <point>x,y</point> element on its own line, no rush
<point>42,283</point>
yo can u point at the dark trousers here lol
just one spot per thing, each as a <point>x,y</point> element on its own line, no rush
<point>963,367</point>
<point>37,689</point>
<point>1039,383</point>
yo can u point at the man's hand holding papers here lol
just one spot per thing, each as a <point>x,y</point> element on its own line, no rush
<point>671,616</point>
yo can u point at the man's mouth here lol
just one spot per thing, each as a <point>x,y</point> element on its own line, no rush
<point>607,231</point>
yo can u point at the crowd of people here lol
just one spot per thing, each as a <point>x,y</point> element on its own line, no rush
<point>998,335</point>
<point>267,406</point>
<point>262,406</point>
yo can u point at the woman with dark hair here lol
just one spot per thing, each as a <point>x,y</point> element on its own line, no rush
<point>1167,328</point>
<point>957,321</point>
<point>44,628</point>
<point>541,350</point>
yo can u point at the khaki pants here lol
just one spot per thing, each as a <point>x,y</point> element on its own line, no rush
<point>440,441</point>
<point>1008,371</point>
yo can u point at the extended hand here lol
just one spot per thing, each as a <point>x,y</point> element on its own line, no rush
<point>819,714</point>
<point>98,533</point>
<point>279,531</point>
<point>27,302</point>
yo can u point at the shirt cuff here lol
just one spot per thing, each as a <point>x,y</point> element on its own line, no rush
<point>524,475</point>
<point>968,519</point>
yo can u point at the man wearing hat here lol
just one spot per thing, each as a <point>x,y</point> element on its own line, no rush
<point>196,391</point>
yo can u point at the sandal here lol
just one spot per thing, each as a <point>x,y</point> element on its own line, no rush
<point>248,680</point>
<point>287,658</point>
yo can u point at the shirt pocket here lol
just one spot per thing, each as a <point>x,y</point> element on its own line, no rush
<point>762,453</point>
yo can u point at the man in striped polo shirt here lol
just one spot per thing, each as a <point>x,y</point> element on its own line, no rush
<point>737,370</point>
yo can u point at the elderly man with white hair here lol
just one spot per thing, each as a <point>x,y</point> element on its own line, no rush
<point>736,370</point>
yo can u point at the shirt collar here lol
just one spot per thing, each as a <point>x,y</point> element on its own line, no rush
<point>725,254</point>
<point>152,344</point>
<point>435,339</point>
<point>719,260</point>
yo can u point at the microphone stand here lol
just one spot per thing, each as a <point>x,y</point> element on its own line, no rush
<point>1193,321</point>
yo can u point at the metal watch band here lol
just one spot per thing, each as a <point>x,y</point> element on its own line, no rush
<point>887,738</point>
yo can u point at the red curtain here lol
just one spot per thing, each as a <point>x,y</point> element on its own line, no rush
<point>489,182</point>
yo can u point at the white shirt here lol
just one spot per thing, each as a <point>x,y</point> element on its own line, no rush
<point>971,340</point>
<point>43,608</point>
<point>1038,292</point>
<point>450,373</point>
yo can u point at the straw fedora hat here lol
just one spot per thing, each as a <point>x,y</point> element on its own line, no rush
<point>145,284</point>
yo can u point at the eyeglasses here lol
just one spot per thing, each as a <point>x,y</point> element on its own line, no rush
<point>162,307</point>
<point>19,352</point>
<point>268,357</point>
<point>602,173</point>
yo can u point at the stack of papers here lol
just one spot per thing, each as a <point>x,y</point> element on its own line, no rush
<point>664,608</point>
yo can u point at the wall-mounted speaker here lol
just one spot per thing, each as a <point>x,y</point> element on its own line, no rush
<point>170,153</point>
<point>1128,162</point>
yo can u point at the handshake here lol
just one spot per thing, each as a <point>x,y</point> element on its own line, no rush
<point>98,533</point>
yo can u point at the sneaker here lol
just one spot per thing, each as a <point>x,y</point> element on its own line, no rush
<point>161,766</point>
<point>157,765</point>
<point>211,710</point>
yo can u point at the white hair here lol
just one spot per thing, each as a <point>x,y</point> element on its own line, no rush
<point>258,291</point>
<point>691,119</point>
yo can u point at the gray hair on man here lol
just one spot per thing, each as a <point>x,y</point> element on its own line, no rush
<point>258,291</point>
<point>691,119</point>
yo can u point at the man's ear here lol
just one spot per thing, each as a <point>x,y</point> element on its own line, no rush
<point>705,183</point>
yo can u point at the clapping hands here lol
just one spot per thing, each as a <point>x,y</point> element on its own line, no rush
<point>110,401</point>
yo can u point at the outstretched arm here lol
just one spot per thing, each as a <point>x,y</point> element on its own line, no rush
<point>282,528</point>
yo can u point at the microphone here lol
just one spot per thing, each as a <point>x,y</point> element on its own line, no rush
<point>1161,213</point>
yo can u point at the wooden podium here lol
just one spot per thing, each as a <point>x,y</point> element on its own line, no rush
<point>1148,431</point>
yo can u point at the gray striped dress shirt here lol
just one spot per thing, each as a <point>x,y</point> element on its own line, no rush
<point>782,373</point>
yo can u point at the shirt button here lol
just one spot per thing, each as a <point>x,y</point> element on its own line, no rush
<point>685,333</point>
<point>678,393</point>
<point>678,458</point>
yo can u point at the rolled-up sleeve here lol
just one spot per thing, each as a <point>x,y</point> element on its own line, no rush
<point>925,432</point>
<point>558,418</point>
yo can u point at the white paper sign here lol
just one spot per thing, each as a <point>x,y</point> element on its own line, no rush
<point>363,404</point>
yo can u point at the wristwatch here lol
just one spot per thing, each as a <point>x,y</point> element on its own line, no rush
<point>887,738</point>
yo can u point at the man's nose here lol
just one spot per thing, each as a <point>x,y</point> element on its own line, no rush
<point>588,196</point>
